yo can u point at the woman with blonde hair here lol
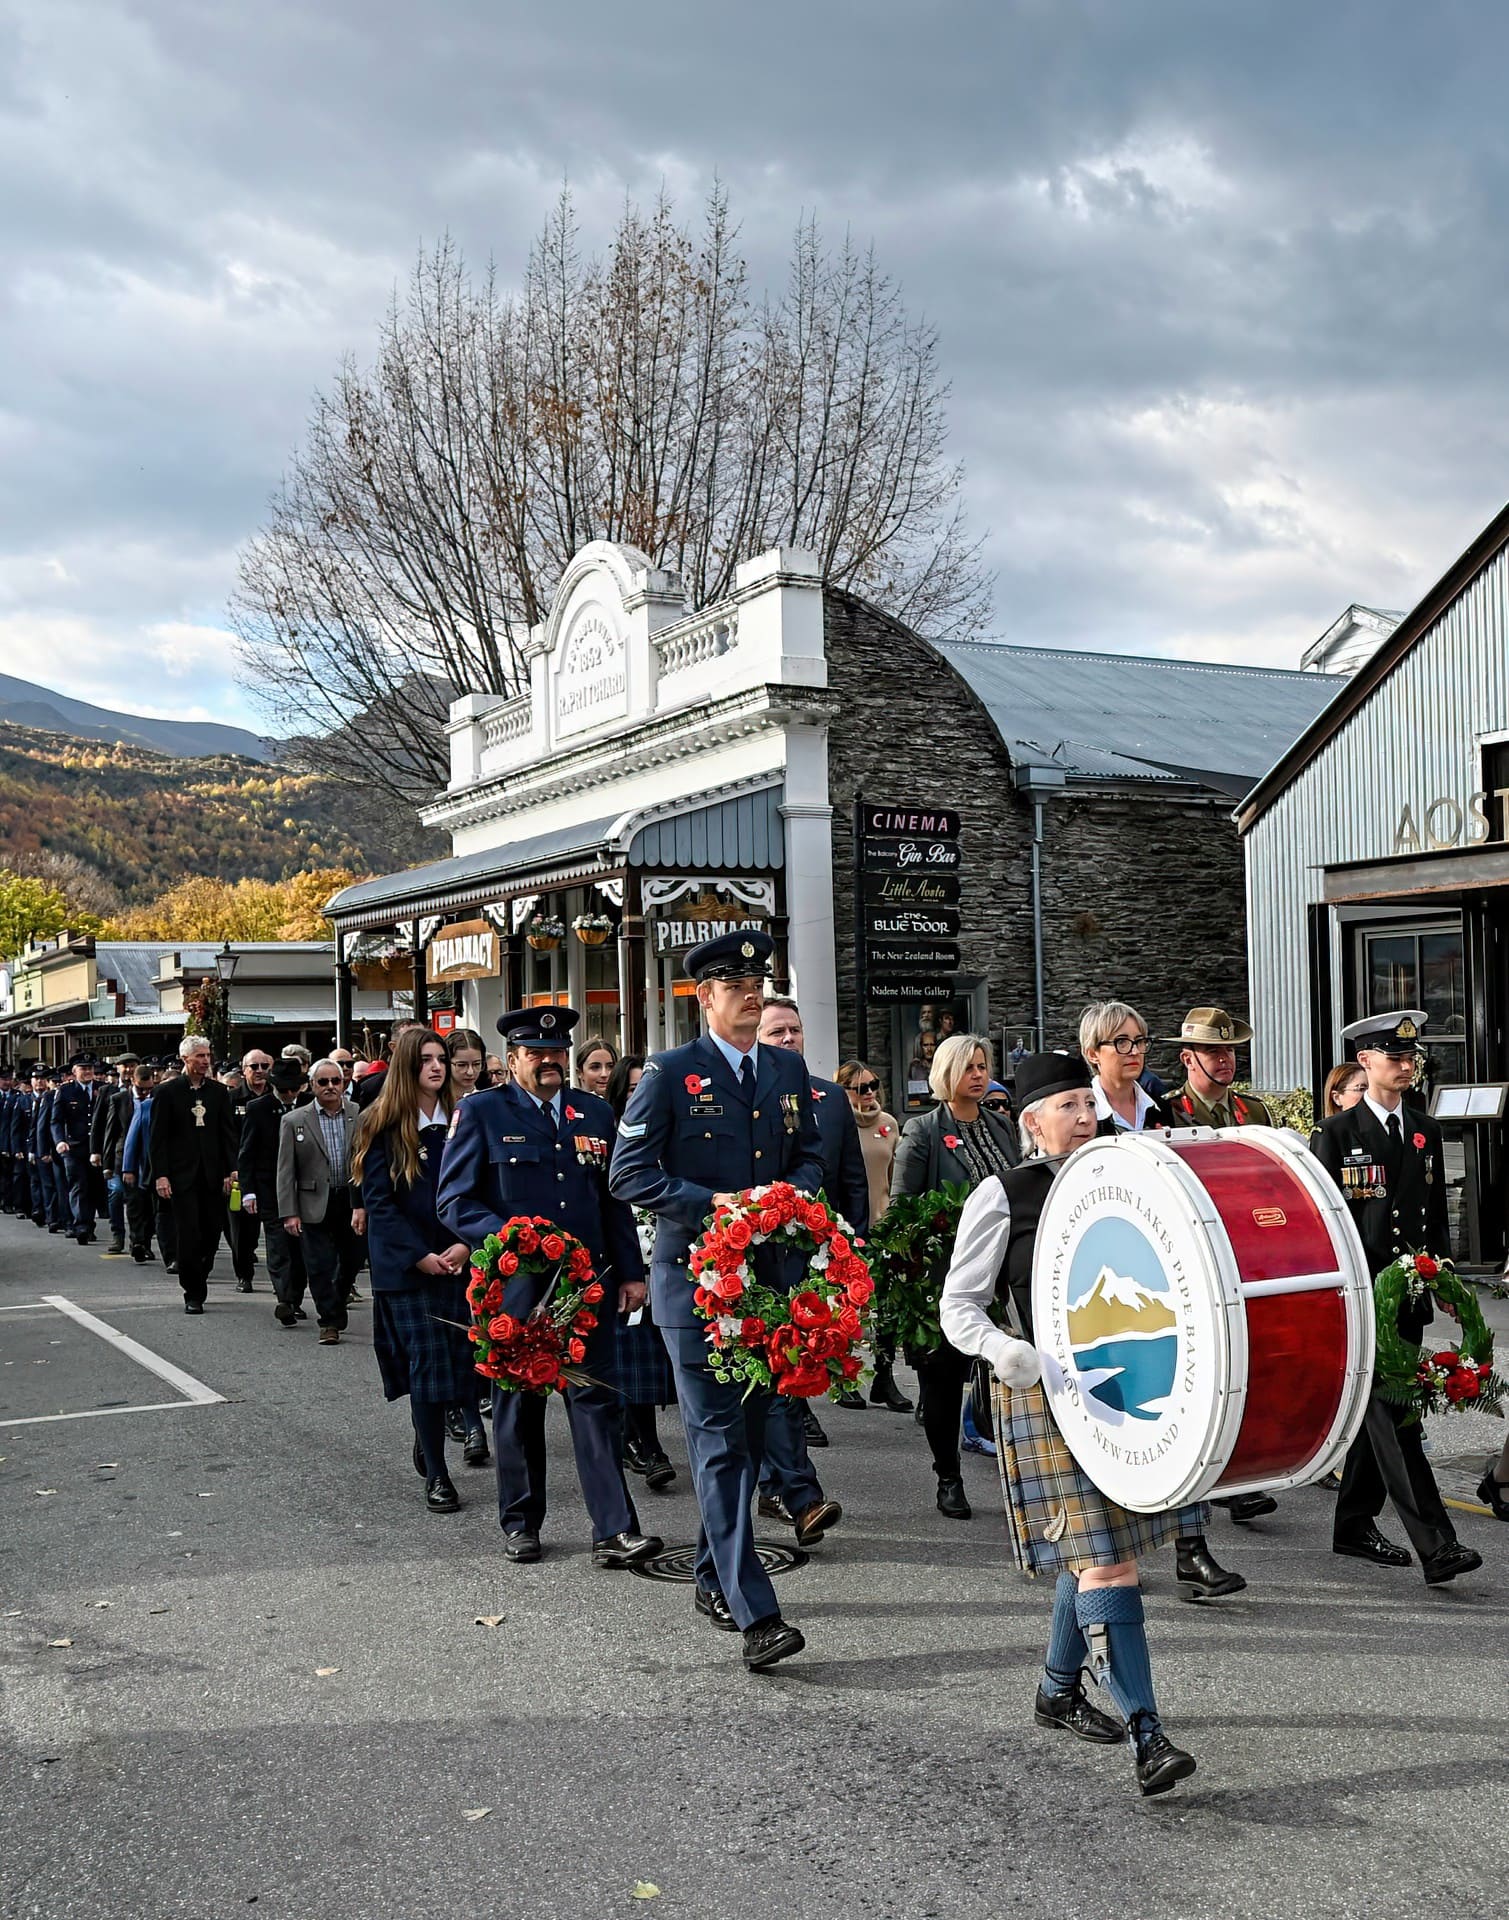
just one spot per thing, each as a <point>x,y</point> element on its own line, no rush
<point>959,1143</point>
<point>1344,1088</point>
<point>420,1314</point>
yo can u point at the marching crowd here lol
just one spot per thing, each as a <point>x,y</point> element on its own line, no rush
<point>403,1167</point>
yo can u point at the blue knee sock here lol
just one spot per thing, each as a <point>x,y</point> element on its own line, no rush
<point>1067,1652</point>
<point>1129,1675</point>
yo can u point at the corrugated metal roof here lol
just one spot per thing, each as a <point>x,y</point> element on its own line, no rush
<point>1111,715</point>
<point>133,967</point>
<point>732,835</point>
<point>422,888</point>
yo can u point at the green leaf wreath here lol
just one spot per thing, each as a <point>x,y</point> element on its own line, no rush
<point>909,1249</point>
<point>1450,1379</point>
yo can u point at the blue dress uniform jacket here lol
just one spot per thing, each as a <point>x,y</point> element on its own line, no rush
<point>504,1157</point>
<point>845,1181</point>
<point>72,1112</point>
<point>690,1131</point>
<point>403,1225</point>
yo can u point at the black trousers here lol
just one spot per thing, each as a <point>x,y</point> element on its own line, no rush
<point>198,1215</point>
<point>167,1229</point>
<point>78,1173</point>
<point>139,1213</point>
<point>244,1229</point>
<point>942,1375</point>
<point>332,1259</point>
<point>285,1263</point>
<point>1387,1461</point>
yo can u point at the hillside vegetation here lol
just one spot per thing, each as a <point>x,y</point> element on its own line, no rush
<point>144,822</point>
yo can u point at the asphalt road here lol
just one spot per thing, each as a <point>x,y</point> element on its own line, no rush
<point>182,1753</point>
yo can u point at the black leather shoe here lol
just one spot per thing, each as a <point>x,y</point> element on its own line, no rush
<point>418,1458</point>
<point>83,1238</point>
<point>474,1452</point>
<point>884,1392</point>
<point>1371,1546</point>
<point>286,1317</point>
<point>1073,1712</point>
<point>170,1266</point>
<point>140,1256</point>
<point>855,1402</point>
<point>521,1546</point>
<point>1160,1764</point>
<point>1249,1506</point>
<point>440,1496</point>
<point>455,1426</point>
<point>636,1457</point>
<point>952,1500</point>
<point>625,1549</point>
<point>768,1507</point>
<point>811,1427</point>
<point>1493,1495</point>
<point>660,1473</point>
<point>299,1314</point>
<point>245,1286</point>
<point>712,1606</point>
<point>768,1641</point>
<point>1201,1576</point>
<point>193,1306</point>
<point>816,1521</point>
<point>1448,1563</point>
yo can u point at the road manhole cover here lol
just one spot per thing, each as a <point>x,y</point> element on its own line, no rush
<point>679,1563</point>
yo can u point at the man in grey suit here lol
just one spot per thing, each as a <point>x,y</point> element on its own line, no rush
<point>315,1197</point>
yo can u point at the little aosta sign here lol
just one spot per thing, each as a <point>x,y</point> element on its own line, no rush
<point>1445,822</point>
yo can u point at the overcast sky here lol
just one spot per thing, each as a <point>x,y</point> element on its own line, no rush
<point>1221,288</point>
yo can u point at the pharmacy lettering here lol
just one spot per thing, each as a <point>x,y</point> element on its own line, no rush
<point>711,914</point>
<point>592,679</point>
<point>467,950</point>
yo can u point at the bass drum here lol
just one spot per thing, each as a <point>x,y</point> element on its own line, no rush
<point>1204,1312</point>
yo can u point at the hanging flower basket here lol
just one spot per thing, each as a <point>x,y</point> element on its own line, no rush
<point>545,934</point>
<point>592,929</point>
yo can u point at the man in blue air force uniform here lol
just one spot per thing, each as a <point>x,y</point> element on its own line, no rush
<point>706,1121</point>
<point>72,1112</point>
<point>539,1147</point>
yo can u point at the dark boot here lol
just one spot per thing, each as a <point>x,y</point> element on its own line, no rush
<point>884,1391</point>
<point>953,1503</point>
<point>1201,1576</point>
<point>1160,1764</point>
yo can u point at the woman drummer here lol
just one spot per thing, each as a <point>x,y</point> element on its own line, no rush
<point>1059,1522</point>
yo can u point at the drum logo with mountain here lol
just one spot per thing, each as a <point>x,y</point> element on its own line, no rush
<point>1123,1332</point>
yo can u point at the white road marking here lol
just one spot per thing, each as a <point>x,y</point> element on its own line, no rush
<point>185,1383</point>
<point>26,1306</point>
<point>93,1413</point>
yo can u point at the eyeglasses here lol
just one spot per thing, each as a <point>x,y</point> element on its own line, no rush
<point>1126,1043</point>
<point>466,1068</point>
<point>866,1086</point>
<point>996,1106</point>
<point>328,1082</point>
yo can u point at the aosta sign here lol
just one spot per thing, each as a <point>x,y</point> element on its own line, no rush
<point>1445,822</point>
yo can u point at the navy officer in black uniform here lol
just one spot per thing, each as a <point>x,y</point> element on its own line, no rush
<point>539,1147</point>
<point>72,1112</point>
<point>706,1121</point>
<point>1387,1159</point>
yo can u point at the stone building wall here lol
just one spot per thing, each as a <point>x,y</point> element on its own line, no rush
<point>1142,892</point>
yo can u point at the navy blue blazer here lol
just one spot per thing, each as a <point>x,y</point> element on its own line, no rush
<point>41,1125</point>
<point>678,1146</point>
<point>20,1122</point>
<point>505,1157</point>
<point>72,1110</point>
<point>403,1224</point>
<point>844,1179</point>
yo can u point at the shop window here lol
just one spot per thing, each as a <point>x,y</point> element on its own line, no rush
<point>1422,966</point>
<point>1496,788</point>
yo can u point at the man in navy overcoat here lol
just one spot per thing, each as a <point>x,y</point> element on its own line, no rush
<point>539,1147</point>
<point>706,1121</point>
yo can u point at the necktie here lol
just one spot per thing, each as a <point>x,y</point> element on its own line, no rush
<point>746,1074</point>
<point>1395,1146</point>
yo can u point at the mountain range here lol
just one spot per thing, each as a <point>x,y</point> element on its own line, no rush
<point>1114,1307</point>
<point>27,704</point>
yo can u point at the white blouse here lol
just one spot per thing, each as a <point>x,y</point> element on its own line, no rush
<point>970,1289</point>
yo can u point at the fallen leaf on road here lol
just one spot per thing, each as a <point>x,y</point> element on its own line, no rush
<point>13,1613</point>
<point>475,1813</point>
<point>208,1496</point>
<point>42,1492</point>
<point>106,1466</point>
<point>60,1643</point>
<point>324,1673</point>
<point>489,1619</point>
<point>159,1609</point>
<point>646,1890</point>
<point>104,1603</point>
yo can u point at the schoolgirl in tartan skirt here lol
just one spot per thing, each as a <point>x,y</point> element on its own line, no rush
<point>1059,1521</point>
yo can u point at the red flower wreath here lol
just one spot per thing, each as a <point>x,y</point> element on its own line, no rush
<point>804,1344</point>
<point>539,1352</point>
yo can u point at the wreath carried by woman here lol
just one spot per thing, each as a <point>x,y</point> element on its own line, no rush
<point>537,1352</point>
<point>1452,1379</point>
<point>909,1251</point>
<point>802,1344</point>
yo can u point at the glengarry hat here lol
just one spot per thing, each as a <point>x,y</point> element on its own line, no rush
<point>1040,1075</point>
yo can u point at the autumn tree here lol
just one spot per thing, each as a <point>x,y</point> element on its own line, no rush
<point>646,398</point>
<point>204,909</point>
<point>33,909</point>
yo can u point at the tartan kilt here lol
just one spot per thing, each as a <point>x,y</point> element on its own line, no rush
<point>416,1352</point>
<point>1057,1519</point>
<point>644,1367</point>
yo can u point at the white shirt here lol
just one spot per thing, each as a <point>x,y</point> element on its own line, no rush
<point>970,1288</point>
<point>1382,1114</point>
<point>736,1059</point>
<point>1104,1110</point>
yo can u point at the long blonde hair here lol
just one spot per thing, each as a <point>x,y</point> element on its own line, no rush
<point>395,1111</point>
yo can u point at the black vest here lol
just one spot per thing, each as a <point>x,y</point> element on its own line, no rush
<point>1026,1187</point>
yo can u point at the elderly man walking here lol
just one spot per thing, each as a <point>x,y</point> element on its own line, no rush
<point>318,1205</point>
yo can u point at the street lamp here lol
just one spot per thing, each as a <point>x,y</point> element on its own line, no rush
<point>226,964</point>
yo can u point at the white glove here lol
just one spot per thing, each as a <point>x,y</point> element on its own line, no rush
<point>1017,1363</point>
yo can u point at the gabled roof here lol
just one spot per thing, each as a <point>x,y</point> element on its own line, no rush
<point>1374,672</point>
<point>1114,716</point>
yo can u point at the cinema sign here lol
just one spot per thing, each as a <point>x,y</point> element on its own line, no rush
<point>468,950</point>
